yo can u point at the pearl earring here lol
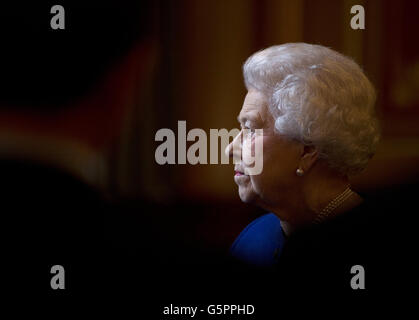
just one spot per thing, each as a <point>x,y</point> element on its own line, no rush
<point>299,172</point>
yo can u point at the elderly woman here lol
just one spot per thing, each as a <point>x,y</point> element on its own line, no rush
<point>316,109</point>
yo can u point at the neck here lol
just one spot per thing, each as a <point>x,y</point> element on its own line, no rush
<point>314,192</point>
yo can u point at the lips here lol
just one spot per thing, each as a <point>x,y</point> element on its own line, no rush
<point>238,172</point>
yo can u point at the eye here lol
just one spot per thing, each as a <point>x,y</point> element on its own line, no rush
<point>249,132</point>
<point>248,129</point>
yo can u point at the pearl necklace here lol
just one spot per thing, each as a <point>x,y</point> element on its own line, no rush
<point>336,202</point>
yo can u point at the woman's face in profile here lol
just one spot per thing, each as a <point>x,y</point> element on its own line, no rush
<point>280,155</point>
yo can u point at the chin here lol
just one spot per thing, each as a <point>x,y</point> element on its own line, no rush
<point>247,196</point>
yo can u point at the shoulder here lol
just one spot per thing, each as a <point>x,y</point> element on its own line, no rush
<point>260,242</point>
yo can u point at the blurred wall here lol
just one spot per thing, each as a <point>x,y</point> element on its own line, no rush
<point>187,66</point>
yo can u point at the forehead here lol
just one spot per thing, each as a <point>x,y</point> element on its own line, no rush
<point>255,106</point>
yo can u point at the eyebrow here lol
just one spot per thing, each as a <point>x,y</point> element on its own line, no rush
<point>249,117</point>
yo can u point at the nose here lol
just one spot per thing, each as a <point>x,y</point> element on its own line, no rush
<point>234,148</point>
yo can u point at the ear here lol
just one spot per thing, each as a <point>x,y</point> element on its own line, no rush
<point>308,158</point>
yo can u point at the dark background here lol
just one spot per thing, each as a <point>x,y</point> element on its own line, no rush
<point>79,109</point>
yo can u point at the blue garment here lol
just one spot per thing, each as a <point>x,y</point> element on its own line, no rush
<point>261,242</point>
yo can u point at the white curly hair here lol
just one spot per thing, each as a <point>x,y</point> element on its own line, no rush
<point>320,98</point>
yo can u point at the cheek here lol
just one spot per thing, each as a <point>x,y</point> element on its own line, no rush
<point>279,161</point>
<point>253,154</point>
<point>264,181</point>
<point>247,151</point>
